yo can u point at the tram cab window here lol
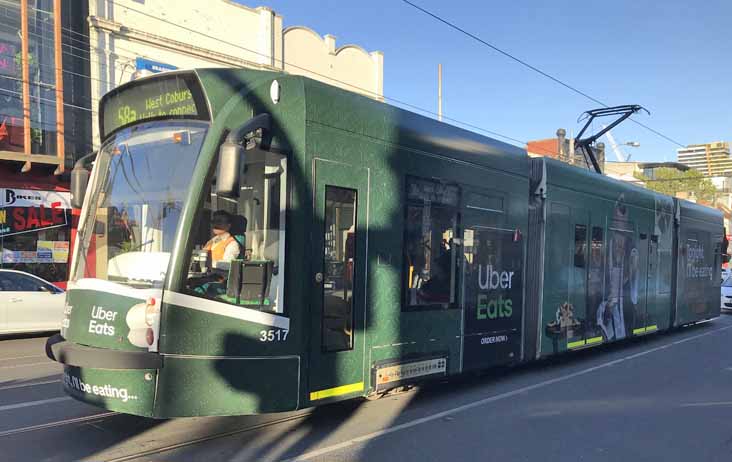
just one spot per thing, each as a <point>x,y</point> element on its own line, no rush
<point>430,250</point>
<point>239,243</point>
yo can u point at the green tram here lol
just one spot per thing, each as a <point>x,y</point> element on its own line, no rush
<point>257,242</point>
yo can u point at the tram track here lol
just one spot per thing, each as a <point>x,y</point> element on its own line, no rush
<point>18,366</point>
<point>204,439</point>
<point>59,423</point>
<point>27,385</point>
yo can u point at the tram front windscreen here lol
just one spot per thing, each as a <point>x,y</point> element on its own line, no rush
<point>142,176</point>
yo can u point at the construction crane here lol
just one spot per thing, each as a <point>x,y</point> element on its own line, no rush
<point>616,149</point>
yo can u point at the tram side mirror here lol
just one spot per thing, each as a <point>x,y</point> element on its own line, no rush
<point>231,156</point>
<point>79,180</point>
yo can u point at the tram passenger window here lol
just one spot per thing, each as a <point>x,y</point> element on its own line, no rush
<point>238,243</point>
<point>580,245</point>
<point>430,251</point>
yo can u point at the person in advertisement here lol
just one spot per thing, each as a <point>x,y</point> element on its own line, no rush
<point>616,313</point>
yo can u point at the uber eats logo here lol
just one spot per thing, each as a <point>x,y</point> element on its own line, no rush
<point>490,306</point>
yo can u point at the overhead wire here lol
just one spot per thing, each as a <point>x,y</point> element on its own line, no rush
<point>532,67</point>
<point>326,77</point>
<point>283,62</point>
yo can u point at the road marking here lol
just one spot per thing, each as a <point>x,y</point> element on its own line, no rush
<point>491,399</point>
<point>23,385</point>
<point>718,403</point>
<point>46,363</point>
<point>10,407</point>
<point>22,357</point>
<point>59,423</point>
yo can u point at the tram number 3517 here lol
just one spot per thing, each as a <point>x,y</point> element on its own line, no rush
<point>273,335</point>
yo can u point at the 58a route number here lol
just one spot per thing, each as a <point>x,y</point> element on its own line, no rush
<point>273,335</point>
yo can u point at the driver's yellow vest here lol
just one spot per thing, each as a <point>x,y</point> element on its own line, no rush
<point>218,249</point>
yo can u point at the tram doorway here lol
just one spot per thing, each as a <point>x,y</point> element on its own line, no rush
<point>339,275</point>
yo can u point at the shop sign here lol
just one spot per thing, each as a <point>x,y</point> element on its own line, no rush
<point>17,220</point>
<point>52,251</point>
<point>143,64</point>
<point>13,197</point>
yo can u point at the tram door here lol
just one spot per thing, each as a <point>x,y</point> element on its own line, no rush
<point>340,224</point>
<point>493,285</point>
<point>648,282</point>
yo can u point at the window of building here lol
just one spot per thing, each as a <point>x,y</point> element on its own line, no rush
<point>580,245</point>
<point>430,250</point>
<point>239,243</point>
<point>43,252</point>
<point>42,79</point>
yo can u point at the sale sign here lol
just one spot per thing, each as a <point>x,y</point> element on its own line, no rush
<point>17,220</point>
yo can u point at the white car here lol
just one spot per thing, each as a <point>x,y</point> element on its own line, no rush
<point>726,272</point>
<point>29,303</point>
<point>727,294</point>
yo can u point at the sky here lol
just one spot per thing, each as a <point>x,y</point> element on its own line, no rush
<point>672,57</point>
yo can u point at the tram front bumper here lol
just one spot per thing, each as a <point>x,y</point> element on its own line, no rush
<point>72,354</point>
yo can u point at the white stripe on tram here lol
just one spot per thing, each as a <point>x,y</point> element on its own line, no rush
<point>225,309</point>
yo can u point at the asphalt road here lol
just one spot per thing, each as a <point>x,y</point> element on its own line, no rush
<point>661,398</point>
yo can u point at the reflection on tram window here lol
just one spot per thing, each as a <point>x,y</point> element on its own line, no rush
<point>141,179</point>
<point>580,245</point>
<point>430,250</point>
<point>340,252</point>
<point>239,243</point>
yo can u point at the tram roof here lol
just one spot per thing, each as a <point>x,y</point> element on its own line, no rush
<point>342,109</point>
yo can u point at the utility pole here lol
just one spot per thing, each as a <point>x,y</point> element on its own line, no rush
<point>439,92</point>
<point>26,83</point>
<point>58,60</point>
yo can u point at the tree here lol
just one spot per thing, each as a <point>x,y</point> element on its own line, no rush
<point>672,181</point>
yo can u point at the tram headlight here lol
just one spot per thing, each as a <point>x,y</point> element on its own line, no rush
<point>150,336</point>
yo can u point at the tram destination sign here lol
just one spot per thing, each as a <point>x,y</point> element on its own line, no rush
<point>169,96</point>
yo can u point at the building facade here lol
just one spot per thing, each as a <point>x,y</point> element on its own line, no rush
<point>104,44</point>
<point>131,38</point>
<point>711,159</point>
<point>36,220</point>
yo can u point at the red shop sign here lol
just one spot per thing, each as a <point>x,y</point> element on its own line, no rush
<point>16,220</point>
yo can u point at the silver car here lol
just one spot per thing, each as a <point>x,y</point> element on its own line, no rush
<point>727,294</point>
<point>29,303</point>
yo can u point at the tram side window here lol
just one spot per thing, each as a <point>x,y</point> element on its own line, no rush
<point>580,245</point>
<point>239,243</point>
<point>430,251</point>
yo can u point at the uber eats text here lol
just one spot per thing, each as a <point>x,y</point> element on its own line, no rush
<point>494,308</point>
<point>99,314</point>
<point>106,390</point>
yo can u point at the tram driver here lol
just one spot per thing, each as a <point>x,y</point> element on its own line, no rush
<point>223,247</point>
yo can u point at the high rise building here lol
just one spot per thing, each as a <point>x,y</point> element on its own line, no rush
<point>711,159</point>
